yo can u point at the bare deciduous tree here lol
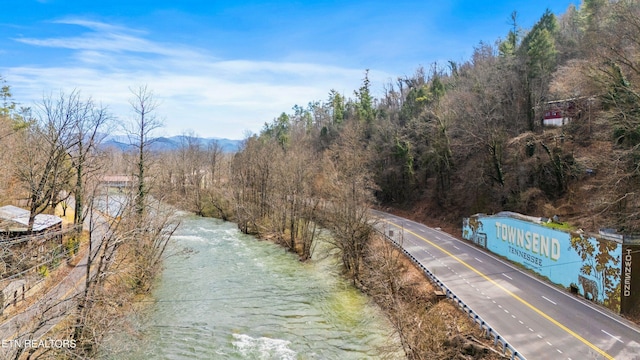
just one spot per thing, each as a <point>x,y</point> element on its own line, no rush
<point>91,120</point>
<point>44,169</point>
<point>349,193</point>
<point>126,249</point>
<point>144,106</point>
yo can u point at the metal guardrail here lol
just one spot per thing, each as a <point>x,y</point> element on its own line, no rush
<point>490,332</point>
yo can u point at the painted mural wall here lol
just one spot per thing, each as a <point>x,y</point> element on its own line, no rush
<point>630,303</point>
<point>574,260</point>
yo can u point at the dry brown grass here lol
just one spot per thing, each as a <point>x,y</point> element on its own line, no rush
<point>428,328</point>
<point>49,282</point>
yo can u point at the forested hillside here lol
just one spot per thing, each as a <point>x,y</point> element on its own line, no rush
<point>545,122</point>
<point>454,140</point>
<point>448,141</point>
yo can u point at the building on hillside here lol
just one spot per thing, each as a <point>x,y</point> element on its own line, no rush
<point>558,113</point>
<point>117,181</point>
<point>14,224</point>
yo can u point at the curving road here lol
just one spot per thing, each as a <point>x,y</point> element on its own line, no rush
<point>539,320</point>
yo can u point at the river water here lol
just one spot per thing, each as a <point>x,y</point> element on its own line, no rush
<point>226,295</point>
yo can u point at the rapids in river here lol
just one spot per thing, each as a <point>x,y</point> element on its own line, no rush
<point>226,295</point>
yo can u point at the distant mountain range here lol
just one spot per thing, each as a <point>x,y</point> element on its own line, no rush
<point>172,143</point>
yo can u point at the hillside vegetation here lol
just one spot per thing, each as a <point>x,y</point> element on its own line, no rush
<point>469,137</point>
<point>447,142</point>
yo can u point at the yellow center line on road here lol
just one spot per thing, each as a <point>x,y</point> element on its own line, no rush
<point>524,302</point>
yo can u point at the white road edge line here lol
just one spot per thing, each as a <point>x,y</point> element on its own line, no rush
<point>564,293</point>
<point>549,301</point>
<point>615,337</point>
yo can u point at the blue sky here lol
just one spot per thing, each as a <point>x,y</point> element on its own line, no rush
<point>224,68</point>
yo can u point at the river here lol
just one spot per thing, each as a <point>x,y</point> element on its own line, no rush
<point>226,295</point>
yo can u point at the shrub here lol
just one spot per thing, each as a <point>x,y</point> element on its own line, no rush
<point>72,246</point>
<point>43,270</point>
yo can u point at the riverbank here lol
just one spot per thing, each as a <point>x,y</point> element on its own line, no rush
<point>225,295</point>
<point>428,327</point>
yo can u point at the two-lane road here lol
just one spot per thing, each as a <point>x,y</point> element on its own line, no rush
<point>539,320</point>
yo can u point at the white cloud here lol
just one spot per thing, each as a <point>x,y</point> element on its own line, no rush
<point>197,91</point>
<point>107,38</point>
